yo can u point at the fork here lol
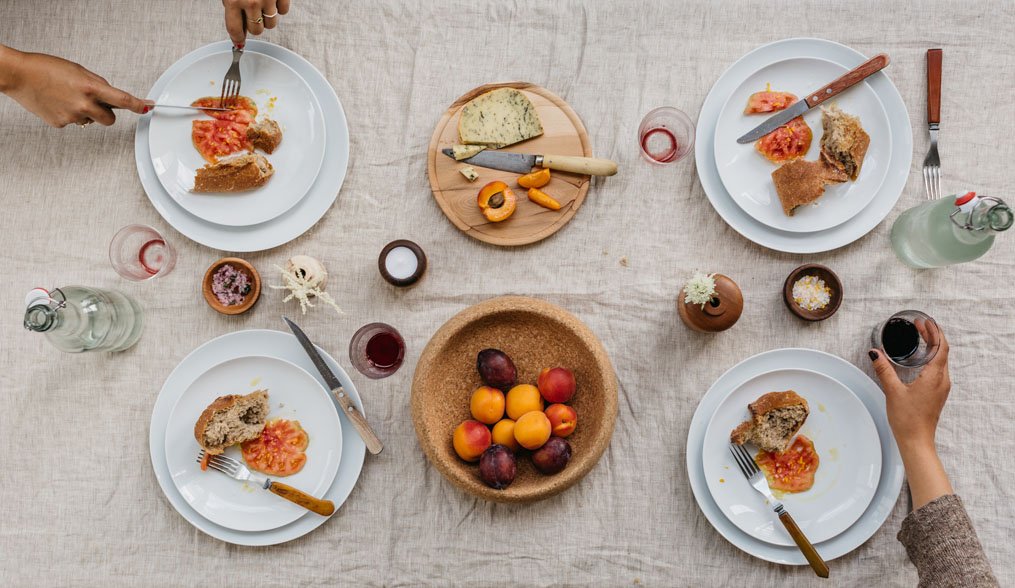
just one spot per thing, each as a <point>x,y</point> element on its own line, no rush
<point>757,480</point>
<point>238,471</point>
<point>932,163</point>
<point>231,83</point>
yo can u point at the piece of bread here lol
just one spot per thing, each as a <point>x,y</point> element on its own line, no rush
<point>775,419</point>
<point>801,182</point>
<point>237,174</point>
<point>844,143</point>
<point>230,420</point>
<point>265,135</point>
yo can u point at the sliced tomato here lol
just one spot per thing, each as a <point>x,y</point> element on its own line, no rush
<point>769,101</point>
<point>792,470</point>
<point>280,450</point>
<point>227,132</point>
<point>787,142</point>
<point>204,461</point>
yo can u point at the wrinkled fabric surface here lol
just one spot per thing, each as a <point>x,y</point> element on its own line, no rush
<point>79,504</point>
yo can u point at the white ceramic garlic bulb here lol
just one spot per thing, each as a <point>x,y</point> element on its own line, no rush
<point>309,270</point>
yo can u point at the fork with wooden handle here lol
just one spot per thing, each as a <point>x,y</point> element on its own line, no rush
<point>238,471</point>
<point>757,481</point>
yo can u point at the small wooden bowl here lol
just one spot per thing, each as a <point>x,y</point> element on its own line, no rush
<point>831,280</point>
<point>536,334</point>
<point>248,302</point>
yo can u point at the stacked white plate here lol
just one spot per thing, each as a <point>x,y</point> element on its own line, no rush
<point>737,179</point>
<point>285,87</point>
<point>239,363</point>
<point>860,471</point>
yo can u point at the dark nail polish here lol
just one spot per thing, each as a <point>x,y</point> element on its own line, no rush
<point>873,355</point>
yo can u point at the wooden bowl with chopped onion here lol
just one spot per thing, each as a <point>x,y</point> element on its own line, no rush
<point>221,292</point>
<point>812,292</point>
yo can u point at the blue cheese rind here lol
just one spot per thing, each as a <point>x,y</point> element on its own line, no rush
<point>499,118</point>
<point>469,173</point>
<point>461,152</point>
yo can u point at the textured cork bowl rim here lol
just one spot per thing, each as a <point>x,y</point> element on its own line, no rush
<point>434,433</point>
<point>242,265</point>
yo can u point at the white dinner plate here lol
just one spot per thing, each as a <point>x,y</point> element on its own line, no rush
<point>292,394</point>
<point>872,398</point>
<point>747,175</point>
<point>812,242</point>
<point>237,345</point>
<point>280,94</point>
<point>849,453</point>
<point>300,217</point>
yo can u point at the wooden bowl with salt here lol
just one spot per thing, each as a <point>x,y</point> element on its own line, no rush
<point>536,335</point>
<point>831,281</point>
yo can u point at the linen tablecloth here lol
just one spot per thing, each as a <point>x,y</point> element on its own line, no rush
<point>79,504</point>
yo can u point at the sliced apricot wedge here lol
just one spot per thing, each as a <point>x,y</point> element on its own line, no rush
<point>543,199</point>
<point>496,201</point>
<point>536,179</point>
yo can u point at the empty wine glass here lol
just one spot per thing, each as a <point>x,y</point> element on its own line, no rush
<point>665,136</point>
<point>139,252</point>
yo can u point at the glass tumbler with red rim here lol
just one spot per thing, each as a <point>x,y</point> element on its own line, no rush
<point>665,135</point>
<point>377,350</point>
<point>139,252</point>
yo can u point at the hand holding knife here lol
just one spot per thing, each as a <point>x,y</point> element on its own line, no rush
<point>373,443</point>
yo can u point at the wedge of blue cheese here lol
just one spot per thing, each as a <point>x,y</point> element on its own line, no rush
<point>499,118</point>
<point>469,173</point>
<point>461,152</point>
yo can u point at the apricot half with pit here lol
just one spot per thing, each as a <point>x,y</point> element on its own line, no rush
<point>496,201</point>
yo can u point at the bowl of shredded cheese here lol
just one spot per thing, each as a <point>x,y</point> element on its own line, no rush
<point>812,292</point>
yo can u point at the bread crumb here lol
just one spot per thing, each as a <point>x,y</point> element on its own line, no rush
<point>623,261</point>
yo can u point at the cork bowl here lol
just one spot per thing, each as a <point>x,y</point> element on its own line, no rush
<point>536,334</point>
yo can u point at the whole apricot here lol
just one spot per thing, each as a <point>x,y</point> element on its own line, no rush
<point>504,434</point>
<point>563,419</point>
<point>532,430</point>
<point>556,384</point>
<point>522,399</point>
<point>471,438</point>
<point>487,405</point>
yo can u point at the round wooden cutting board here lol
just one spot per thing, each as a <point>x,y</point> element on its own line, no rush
<point>563,134</point>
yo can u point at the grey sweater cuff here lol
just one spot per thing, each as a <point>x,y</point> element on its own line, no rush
<point>941,542</point>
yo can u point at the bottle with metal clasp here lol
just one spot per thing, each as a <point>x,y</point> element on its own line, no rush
<point>949,230</point>
<point>76,318</point>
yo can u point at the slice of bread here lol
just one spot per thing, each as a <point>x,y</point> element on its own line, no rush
<point>237,174</point>
<point>265,135</point>
<point>775,419</point>
<point>801,182</point>
<point>844,143</point>
<point>230,420</point>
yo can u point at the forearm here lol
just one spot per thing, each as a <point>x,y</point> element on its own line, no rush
<point>8,68</point>
<point>925,473</point>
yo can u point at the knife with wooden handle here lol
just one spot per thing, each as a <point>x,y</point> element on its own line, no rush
<point>356,417</point>
<point>831,90</point>
<point>522,163</point>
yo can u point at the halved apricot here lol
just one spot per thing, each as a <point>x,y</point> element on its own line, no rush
<point>496,201</point>
<point>543,199</point>
<point>536,179</point>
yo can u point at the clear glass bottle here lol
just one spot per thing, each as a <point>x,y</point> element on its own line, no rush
<point>949,230</point>
<point>76,318</point>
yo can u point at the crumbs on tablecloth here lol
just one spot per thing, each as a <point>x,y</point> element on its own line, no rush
<point>623,261</point>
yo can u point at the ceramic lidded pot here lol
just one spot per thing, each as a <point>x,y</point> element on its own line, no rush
<point>715,305</point>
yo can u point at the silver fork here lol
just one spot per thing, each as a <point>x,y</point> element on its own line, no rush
<point>231,83</point>
<point>932,163</point>
<point>757,480</point>
<point>238,471</point>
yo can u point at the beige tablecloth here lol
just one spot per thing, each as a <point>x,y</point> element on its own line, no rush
<point>79,504</point>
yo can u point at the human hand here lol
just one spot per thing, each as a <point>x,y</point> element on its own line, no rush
<point>253,16</point>
<point>914,408</point>
<point>61,92</point>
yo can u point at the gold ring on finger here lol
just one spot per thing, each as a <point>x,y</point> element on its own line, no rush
<point>259,20</point>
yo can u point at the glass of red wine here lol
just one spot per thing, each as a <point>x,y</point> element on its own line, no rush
<point>139,252</point>
<point>666,135</point>
<point>377,350</point>
<point>909,338</point>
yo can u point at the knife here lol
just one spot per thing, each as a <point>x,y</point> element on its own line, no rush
<point>374,445</point>
<point>848,80</point>
<point>522,163</point>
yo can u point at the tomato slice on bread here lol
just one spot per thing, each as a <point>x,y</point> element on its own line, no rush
<point>769,101</point>
<point>791,470</point>
<point>788,142</point>
<point>280,450</point>
<point>226,133</point>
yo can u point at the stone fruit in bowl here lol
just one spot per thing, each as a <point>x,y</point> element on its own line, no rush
<point>497,467</point>
<point>553,456</point>
<point>521,399</point>
<point>532,430</point>
<point>563,419</point>
<point>471,438</point>
<point>496,369</point>
<point>503,433</point>
<point>487,405</point>
<point>557,384</point>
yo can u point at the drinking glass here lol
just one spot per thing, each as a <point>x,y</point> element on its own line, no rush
<point>665,136</point>
<point>139,252</point>
<point>377,350</point>
<point>909,338</point>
